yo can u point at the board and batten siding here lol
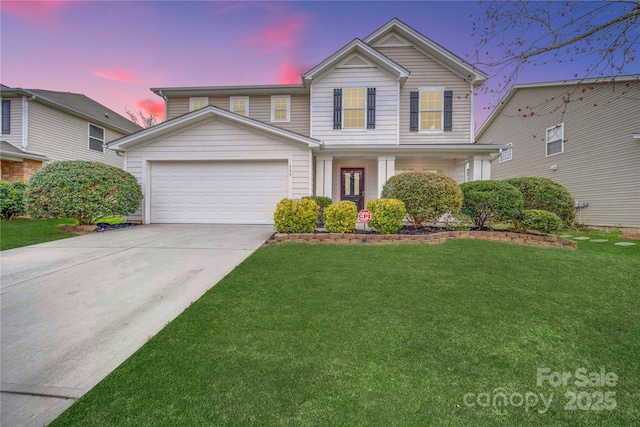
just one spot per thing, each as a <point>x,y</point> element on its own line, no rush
<point>427,72</point>
<point>14,137</point>
<point>61,136</point>
<point>601,160</point>
<point>217,139</point>
<point>259,109</point>
<point>386,125</point>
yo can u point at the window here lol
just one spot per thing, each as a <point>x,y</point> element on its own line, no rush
<point>354,108</point>
<point>555,140</point>
<point>506,154</point>
<point>96,138</point>
<point>6,116</point>
<point>197,103</point>
<point>431,110</point>
<point>280,108</point>
<point>240,105</point>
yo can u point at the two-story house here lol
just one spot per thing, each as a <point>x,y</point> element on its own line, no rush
<point>583,134</point>
<point>43,125</point>
<point>392,102</point>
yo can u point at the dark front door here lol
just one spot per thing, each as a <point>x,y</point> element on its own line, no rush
<point>353,186</point>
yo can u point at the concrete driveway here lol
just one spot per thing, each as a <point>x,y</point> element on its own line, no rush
<point>75,309</point>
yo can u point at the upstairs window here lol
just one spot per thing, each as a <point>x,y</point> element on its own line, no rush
<point>431,110</point>
<point>240,105</point>
<point>6,116</point>
<point>96,138</point>
<point>555,140</point>
<point>197,103</point>
<point>506,154</point>
<point>354,108</point>
<point>280,108</point>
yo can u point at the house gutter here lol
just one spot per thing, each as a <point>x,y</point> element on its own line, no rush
<point>162,95</point>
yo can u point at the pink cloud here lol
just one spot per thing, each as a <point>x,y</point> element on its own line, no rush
<point>232,7</point>
<point>38,12</point>
<point>120,94</point>
<point>118,74</point>
<point>290,73</point>
<point>283,33</point>
<point>151,106</point>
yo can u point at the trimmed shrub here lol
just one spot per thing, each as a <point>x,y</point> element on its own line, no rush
<point>11,198</point>
<point>386,215</point>
<point>323,202</point>
<point>85,191</point>
<point>426,195</point>
<point>485,201</point>
<point>546,194</point>
<point>540,220</point>
<point>296,216</point>
<point>341,217</point>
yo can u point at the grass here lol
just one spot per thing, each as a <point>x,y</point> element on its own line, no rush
<point>397,335</point>
<point>24,232</point>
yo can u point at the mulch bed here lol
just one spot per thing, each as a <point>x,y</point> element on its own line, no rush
<point>103,226</point>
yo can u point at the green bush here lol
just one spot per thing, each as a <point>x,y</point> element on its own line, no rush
<point>545,194</point>
<point>81,190</point>
<point>426,195</point>
<point>296,216</point>
<point>341,217</point>
<point>485,201</point>
<point>11,198</point>
<point>540,220</point>
<point>386,215</point>
<point>323,202</point>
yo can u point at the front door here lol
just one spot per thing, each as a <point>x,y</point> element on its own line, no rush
<point>353,186</point>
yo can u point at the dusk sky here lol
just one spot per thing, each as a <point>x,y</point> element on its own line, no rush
<point>114,51</point>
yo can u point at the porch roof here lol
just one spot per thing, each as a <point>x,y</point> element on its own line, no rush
<point>454,150</point>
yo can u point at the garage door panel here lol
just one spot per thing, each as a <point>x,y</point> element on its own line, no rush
<point>217,192</point>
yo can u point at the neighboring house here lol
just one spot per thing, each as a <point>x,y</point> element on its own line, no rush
<point>44,125</point>
<point>583,134</point>
<point>393,102</point>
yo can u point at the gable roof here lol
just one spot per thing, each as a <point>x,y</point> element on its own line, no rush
<point>505,100</point>
<point>9,152</point>
<point>439,53</point>
<point>196,116</point>
<point>357,46</point>
<point>78,105</point>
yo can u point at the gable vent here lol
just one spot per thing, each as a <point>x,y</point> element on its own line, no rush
<point>392,41</point>
<point>355,62</point>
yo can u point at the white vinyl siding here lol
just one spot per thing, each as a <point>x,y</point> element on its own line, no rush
<point>386,130</point>
<point>220,140</point>
<point>506,155</point>
<point>239,105</point>
<point>555,139</point>
<point>280,108</point>
<point>198,103</point>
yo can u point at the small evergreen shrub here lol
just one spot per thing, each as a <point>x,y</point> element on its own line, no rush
<point>544,221</point>
<point>546,194</point>
<point>11,198</point>
<point>426,195</point>
<point>82,190</point>
<point>296,216</point>
<point>341,217</point>
<point>386,215</point>
<point>485,201</point>
<point>322,202</point>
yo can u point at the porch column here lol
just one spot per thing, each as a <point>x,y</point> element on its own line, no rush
<point>479,168</point>
<point>324,174</point>
<point>386,169</point>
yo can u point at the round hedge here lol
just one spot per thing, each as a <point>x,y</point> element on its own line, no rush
<point>82,190</point>
<point>426,195</point>
<point>540,220</point>
<point>546,194</point>
<point>485,201</point>
<point>11,198</point>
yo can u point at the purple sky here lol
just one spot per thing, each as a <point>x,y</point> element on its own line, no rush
<point>114,51</point>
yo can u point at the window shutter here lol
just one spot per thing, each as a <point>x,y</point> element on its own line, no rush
<point>6,116</point>
<point>414,111</point>
<point>371,108</point>
<point>337,108</point>
<point>448,111</point>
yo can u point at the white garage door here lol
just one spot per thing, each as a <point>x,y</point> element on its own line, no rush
<point>225,192</point>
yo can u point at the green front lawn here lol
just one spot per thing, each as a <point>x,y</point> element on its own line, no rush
<point>321,335</point>
<point>24,232</point>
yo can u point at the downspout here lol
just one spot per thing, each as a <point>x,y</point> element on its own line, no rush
<point>166,109</point>
<point>25,121</point>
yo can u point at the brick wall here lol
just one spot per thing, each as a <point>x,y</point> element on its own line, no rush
<point>19,171</point>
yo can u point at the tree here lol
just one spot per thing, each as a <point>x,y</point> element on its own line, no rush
<point>513,35</point>
<point>144,121</point>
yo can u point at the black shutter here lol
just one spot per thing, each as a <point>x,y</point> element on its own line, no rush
<point>371,108</point>
<point>337,108</point>
<point>6,116</point>
<point>448,111</point>
<point>414,111</point>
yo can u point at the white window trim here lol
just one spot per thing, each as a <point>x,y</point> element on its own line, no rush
<point>273,108</point>
<point>431,89</point>
<point>192,100</point>
<point>546,140</point>
<point>366,105</point>
<point>502,159</point>
<point>89,137</point>
<point>246,104</point>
